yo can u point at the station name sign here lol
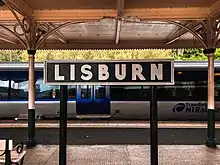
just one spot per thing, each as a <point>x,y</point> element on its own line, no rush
<point>89,72</point>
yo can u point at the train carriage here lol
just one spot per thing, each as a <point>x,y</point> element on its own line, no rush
<point>186,100</point>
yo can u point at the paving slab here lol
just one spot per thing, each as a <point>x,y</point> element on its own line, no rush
<point>123,155</point>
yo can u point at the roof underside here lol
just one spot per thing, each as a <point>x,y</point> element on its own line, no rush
<point>96,24</point>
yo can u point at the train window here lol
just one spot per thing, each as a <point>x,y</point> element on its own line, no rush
<point>217,90</point>
<point>190,75</point>
<point>146,87</point>
<point>44,91</point>
<point>19,89</point>
<point>4,87</point>
<point>86,91</point>
<point>117,93</point>
<point>183,91</point>
<point>164,93</point>
<point>132,93</point>
<point>146,92</point>
<point>100,92</point>
<point>200,93</point>
<point>174,92</point>
<point>72,92</point>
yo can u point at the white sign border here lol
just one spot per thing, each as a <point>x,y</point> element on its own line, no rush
<point>109,83</point>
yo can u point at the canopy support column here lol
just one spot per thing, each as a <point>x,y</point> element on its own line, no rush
<point>211,141</point>
<point>31,142</point>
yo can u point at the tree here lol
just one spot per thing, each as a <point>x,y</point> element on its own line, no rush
<point>190,54</point>
<point>41,55</point>
<point>11,55</point>
<point>217,54</point>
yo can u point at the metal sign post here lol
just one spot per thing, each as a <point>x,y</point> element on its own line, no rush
<point>63,124</point>
<point>130,72</point>
<point>153,126</point>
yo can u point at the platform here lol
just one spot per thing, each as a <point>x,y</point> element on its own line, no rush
<point>123,155</point>
<point>112,135</point>
<point>123,143</point>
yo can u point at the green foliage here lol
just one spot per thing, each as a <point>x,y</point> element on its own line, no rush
<point>217,54</point>
<point>41,55</point>
<point>11,55</point>
<point>190,54</point>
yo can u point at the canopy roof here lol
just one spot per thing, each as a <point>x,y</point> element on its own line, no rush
<point>109,24</point>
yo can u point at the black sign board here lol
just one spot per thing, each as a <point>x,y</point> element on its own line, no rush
<point>132,72</point>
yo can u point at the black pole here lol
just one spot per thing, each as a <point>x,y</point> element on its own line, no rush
<point>63,124</point>
<point>153,126</point>
<point>31,142</point>
<point>211,141</point>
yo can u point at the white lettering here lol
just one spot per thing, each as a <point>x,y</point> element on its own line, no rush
<point>156,71</point>
<point>137,72</point>
<point>57,73</point>
<point>103,72</point>
<point>123,71</point>
<point>72,72</point>
<point>85,69</point>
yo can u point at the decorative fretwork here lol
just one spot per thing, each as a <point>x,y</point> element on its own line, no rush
<point>33,34</point>
<point>217,29</point>
<point>30,33</point>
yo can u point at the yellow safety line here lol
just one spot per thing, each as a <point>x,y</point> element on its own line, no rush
<point>109,125</point>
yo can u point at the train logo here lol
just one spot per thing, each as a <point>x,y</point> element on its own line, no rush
<point>179,107</point>
<point>190,107</point>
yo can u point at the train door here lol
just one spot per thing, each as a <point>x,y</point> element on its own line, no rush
<point>92,100</point>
